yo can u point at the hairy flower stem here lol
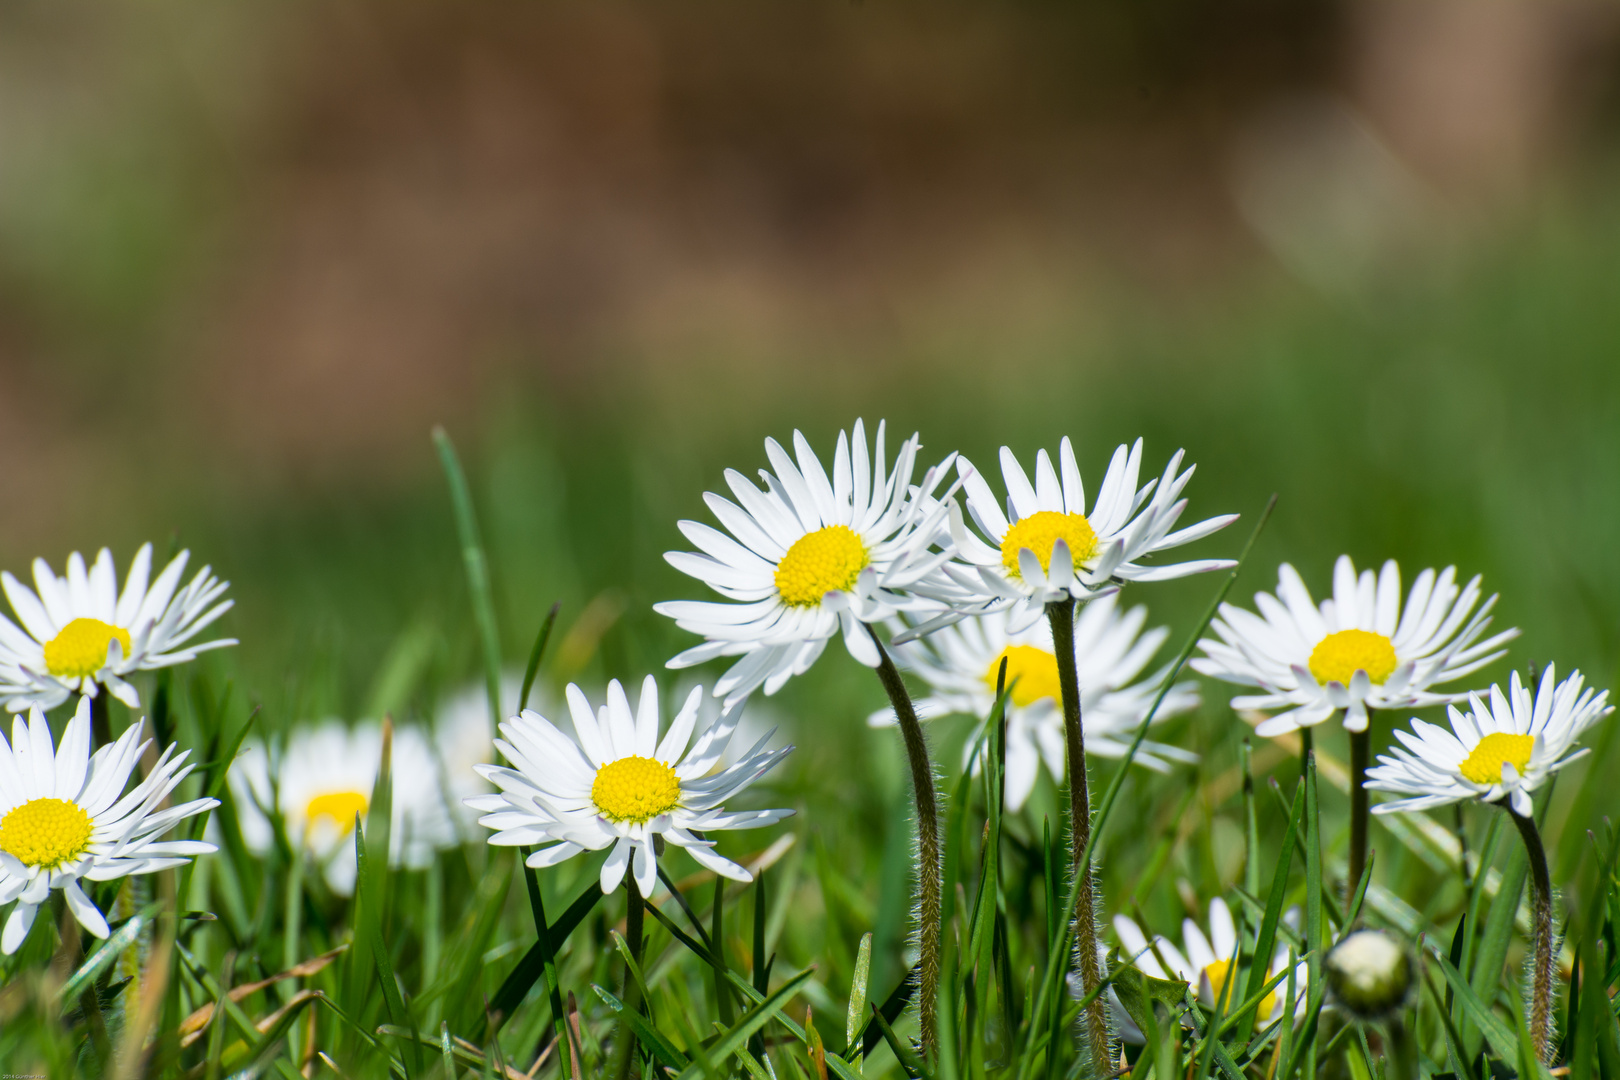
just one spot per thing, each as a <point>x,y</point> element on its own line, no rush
<point>1541,938</point>
<point>929,868</point>
<point>1360,755</point>
<point>1061,615</point>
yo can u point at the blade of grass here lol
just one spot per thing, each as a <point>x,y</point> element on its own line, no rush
<point>477,567</point>
<point>650,1036</point>
<point>752,1020</point>
<point>1267,939</point>
<point>371,922</point>
<point>1313,897</point>
<point>533,965</point>
<point>539,650</point>
<point>857,998</point>
<point>548,953</point>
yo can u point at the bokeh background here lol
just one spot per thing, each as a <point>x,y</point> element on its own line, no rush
<point>1364,254</point>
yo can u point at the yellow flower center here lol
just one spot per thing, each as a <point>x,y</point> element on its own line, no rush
<point>635,789</point>
<point>45,832</point>
<point>80,650</point>
<point>1216,975</point>
<point>1339,656</point>
<point>1484,765</point>
<point>339,806</point>
<point>1031,672</point>
<point>818,563</point>
<point>1040,532</point>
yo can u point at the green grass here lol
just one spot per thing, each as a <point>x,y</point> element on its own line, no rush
<point>1472,419</point>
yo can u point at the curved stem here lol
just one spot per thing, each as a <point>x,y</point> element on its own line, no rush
<point>1360,755</point>
<point>1061,616</point>
<point>929,868</point>
<point>1541,937</point>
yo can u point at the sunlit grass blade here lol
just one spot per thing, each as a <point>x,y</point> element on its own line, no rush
<point>751,1021</point>
<point>650,1036</point>
<point>477,567</point>
<point>107,952</point>
<point>857,998</point>
<point>535,654</point>
<point>371,923</point>
<point>1266,941</point>
<point>910,1063</point>
<point>533,965</point>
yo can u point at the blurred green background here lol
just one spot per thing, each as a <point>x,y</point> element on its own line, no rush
<point>1363,254</point>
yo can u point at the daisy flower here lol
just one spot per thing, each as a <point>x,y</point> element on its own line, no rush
<point>64,817</point>
<point>621,787</point>
<point>809,555</point>
<point>1046,547</point>
<point>960,664</point>
<point>1206,964</point>
<point>1355,652</point>
<point>323,776</point>
<point>1500,749</point>
<point>79,630</point>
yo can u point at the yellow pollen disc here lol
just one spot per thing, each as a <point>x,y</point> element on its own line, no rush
<point>80,650</point>
<point>818,563</point>
<point>1031,672</point>
<point>45,832</point>
<point>1484,765</point>
<point>1216,975</point>
<point>635,789</point>
<point>1339,656</point>
<point>1041,531</point>
<point>339,806</point>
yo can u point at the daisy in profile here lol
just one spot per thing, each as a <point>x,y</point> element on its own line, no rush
<point>809,555</point>
<point>322,777</point>
<point>1500,750</point>
<point>1358,651</point>
<point>961,663</point>
<point>1047,547</point>
<point>620,786</point>
<point>1207,964</point>
<point>79,632</point>
<point>1499,753</point>
<point>64,817</point>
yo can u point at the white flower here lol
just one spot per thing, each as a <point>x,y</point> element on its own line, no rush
<point>323,777</point>
<point>62,817</point>
<point>1496,751</point>
<point>1206,965</point>
<point>79,630</point>
<point>621,786</point>
<point>1358,651</point>
<point>1047,548</point>
<point>809,555</point>
<point>961,662</point>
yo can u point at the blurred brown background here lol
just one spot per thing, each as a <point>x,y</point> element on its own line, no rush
<point>250,253</point>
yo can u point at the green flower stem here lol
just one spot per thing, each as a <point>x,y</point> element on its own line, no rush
<point>1541,937</point>
<point>929,868</point>
<point>1360,755</point>
<point>624,1053</point>
<point>1061,615</point>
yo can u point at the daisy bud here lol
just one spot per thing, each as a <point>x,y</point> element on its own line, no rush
<point>1370,974</point>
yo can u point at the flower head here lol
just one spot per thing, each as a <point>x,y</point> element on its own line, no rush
<point>322,777</point>
<point>810,555</point>
<point>1047,546</point>
<point>79,631</point>
<point>961,663</point>
<point>1357,651</point>
<point>1503,747</point>
<point>64,817</point>
<point>621,786</point>
<point>1370,974</point>
<point>1209,964</point>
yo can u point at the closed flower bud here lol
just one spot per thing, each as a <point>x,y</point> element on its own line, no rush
<point>1370,974</point>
